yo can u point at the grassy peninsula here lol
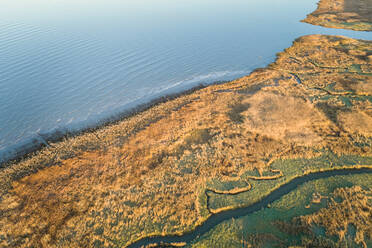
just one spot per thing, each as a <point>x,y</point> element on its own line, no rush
<point>166,169</point>
<point>346,14</point>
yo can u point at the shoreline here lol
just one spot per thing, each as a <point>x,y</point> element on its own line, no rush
<point>25,149</point>
<point>29,148</point>
<point>117,159</point>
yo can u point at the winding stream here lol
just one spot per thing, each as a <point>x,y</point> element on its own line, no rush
<point>216,219</point>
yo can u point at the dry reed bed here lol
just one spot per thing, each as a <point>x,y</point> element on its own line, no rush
<point>347,208</point>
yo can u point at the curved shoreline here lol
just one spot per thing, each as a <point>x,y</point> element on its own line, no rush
<point>27,148</point>
<point>215,219</point>
<point>35,144</point>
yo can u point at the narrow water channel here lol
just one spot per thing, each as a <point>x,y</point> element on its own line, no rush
<point>216,219</point>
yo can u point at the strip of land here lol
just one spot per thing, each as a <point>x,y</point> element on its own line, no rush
<point>346,14</point>
<point>148,174</point>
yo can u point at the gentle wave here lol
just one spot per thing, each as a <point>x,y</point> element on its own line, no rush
<point>7,151</point>
<point>212,76</point>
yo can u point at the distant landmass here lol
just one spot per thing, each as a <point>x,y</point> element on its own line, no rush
<point>347,14</point>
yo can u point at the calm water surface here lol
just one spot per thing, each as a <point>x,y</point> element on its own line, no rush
<point>66,64</point>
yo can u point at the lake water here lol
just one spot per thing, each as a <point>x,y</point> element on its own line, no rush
<point>66,64</point>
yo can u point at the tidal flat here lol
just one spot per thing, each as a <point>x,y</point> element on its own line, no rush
<point>149,174</point>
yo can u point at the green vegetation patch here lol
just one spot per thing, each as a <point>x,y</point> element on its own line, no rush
<point>277,226</point>
<point>291,168</point>
<point>355,68</point>
<point>358,26</point>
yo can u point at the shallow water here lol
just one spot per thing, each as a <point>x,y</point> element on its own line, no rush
<point>70,63</point>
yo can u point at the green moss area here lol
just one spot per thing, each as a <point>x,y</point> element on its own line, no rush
<point>342,100</point>
<point>279,225</point>
<point>356,26</point>
<point>290,168</point>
